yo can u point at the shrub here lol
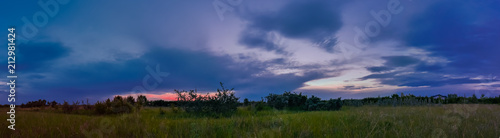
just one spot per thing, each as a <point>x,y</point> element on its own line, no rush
<point>259,106</point>
<point>100,108</point>
<point>333,104</point>
<point>67,108</point>
<point>277,101</point>
<point>246,102</point>
<point>87,105</point>
<point>224,102</point>
<point>295,100</point>
<point>108,103</point>
<point>313,104</point>
<point>142,100</point>
<point>286,100</point>
<point>119,106</point>
<point>53,104</point>
<point>131,100</point>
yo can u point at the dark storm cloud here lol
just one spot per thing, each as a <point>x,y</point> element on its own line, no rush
<point>414,74</point>
<point>315,21</point>
<point>463,33</point>
<point>39,55</point>
<point>466,33</point>
<point>187,70</point>
<point>429,67</point>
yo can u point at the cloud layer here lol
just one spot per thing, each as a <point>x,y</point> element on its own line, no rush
<point>261,47</point>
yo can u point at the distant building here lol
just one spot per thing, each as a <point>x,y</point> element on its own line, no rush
<point>439,96</point>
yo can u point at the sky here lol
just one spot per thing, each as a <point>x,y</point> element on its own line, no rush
<point>77,50</point>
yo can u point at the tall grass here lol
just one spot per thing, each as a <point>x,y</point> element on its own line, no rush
<point>366,121</point>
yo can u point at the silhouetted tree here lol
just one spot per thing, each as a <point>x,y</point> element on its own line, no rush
<point>131,100</point>
<point>224,102</point>
<point>246,102</point>
<point>53,104</point>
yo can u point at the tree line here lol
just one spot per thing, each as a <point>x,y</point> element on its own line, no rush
<point>118,105</point>
<point>225,103</point>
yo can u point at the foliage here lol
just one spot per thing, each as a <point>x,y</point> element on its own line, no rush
<point>142,100</point>
<point>224,102</point>
<point>101,108</point>
<point>286,100</point>
<point>39,103</point>
<point>332,104</point>
<point>119,105</point>
<point>313,104</point>
<point>53,104</point>
<point>411,100</point>
<point>294,101</point>
<point>161,103</point>
<point>67,108</point>
<point>130,100</point>
<point>277,101</point>
<point>246,102</point>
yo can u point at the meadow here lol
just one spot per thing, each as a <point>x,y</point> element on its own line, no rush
<point>450,120</point>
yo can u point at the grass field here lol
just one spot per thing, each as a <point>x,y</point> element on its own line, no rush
<point>367,121</point>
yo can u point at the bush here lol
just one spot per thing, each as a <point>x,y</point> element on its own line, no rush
<point>246,102</point>
<point>53,104</point>
<point>66,107</point>
<point>259,106</point>
<point>295,100</point>
<point>277,101</point>
<point>141,101</point>
<point>312,104</point>
<point>223,103</point>
<point>333,104</point>
<point>100,108</point>
<point>131,100</point>
<point>119,106</point>
<point>286,100</point>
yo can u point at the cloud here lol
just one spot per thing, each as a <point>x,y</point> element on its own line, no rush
<point>188,70</point>
<point>35,56</point>
<point>352,87</point>
<point>414,79</point>
<point>413,72</point>
<point>495,85</point>
<point>314,21</point>
<point>108,56</point>
<point>260,39</point>
<point>392,62</point>
<point>465,33</point>
<point>378,69</point>
<point>399,61</point>
<point>429,67</point>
